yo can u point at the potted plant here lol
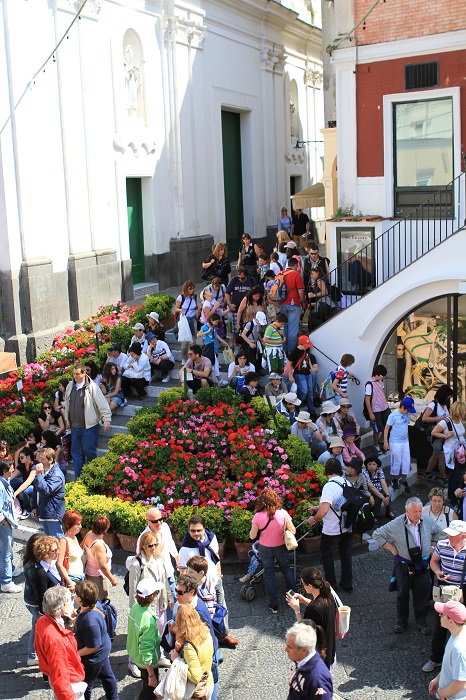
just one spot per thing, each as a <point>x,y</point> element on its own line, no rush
<point>177,520</point>
<point>214,518</point>
<point>310,543</point>
<point>240,525</point>
<point>130,522</point>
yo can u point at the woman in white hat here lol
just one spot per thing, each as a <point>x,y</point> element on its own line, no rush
<point>308,431</point>
<point>326,421</point>
<point>154,326</point>
<point>251,338</point>
<point>288,405</point>
<point>335,450</point>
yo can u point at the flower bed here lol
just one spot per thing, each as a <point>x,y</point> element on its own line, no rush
<point>40,378</point>
<point>216,451</point>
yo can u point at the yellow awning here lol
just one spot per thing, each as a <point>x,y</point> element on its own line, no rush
<point>313,196</point>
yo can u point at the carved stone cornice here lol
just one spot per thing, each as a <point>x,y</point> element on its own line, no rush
<point>185,31</point>
<point>273,57</point>
<point>139,145</point>
<point>91,10</point>
<point>297,156</point>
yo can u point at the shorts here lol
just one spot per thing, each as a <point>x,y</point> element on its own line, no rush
<point>195,384</point>
<point>381,418</point>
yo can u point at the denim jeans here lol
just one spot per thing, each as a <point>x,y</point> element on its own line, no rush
<point>53,528</point>
<point>35,612</point>
<point>6,554</point>
<point>291,327</point>
<point>344,542</point>
<point>268,555</point>
<point>305,384</point>
<point>26,496</point>
<point>83,446</point>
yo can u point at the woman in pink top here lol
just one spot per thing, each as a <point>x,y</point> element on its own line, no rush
<point>99,556</point>
<point>270,522</point>
<point>350,450</point>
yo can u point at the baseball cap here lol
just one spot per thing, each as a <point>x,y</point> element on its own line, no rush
<point>304,340</point>
<point>147,586</point>
<point>291,244</point>
<point>453,609</point>
<point>456,527</point>
<point>408,403</point>
<point>149,336</point>
<point>138,327</point>
<point>115,346</point>
<point>261,318</point>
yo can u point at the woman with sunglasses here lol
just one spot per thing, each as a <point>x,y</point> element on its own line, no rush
<point>45,552</point>
<point>50,419</point>
<point>320,607</point>
<point>22,479</point>
<point>148,564</point>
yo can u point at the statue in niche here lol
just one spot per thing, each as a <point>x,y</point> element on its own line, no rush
<point>133,82</point>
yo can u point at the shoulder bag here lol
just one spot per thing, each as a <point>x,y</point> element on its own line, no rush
<point>460,453</point>
<point>291,542</point>
<point>442,594</point>
<point>342,616</point>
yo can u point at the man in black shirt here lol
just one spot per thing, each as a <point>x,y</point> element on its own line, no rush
<point>302,368</point>
<point>302,228</point>
<point>313,259</point>
<point>237,289</point>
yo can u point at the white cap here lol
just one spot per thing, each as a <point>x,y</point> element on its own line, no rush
<point>147,586</point>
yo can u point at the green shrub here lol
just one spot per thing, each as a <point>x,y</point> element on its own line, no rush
<point>100,357</point>
<point>299,453</point>
<point>94,474</point>
<point>178,520</point>
<point>52,384</point>
<point>212,396</point>
<point>215,520</point>
<point>139,316</point>
<point>121,444</point>
<point>74,490</point>
<point>281,427</point>
<point>319,470</point>
<point>122,334</point>
<point>141,426</point>
<point>261,409</point>
<point>302,513</point>
<point>32,407</point>
<point>240,524</point>
<point>170,396</point>
<point>93,506</point>
<point>161,303</point>
<point>130,518</point>
<point>15,428</point>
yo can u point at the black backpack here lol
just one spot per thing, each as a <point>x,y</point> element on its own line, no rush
<point>356,511</point>
<point>126,581</point>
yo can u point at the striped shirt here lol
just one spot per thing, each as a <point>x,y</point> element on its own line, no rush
<point>451,561</point>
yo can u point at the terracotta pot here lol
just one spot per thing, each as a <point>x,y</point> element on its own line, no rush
<point>168,323</point>
<point>110,538</point>
<point>221,549</point>
<point>128,543</point>
<point>310,545</point>
<point>242,549</point>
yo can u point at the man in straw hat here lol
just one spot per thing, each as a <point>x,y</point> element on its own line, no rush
<point>308,431</point>
<point>451,681</point>
<point>448,563</point>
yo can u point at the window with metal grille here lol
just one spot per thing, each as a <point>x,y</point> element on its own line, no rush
<point>421,75</point>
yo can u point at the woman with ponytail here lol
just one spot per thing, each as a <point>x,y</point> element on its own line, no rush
<point>320,607</point>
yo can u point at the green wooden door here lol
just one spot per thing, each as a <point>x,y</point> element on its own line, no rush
<point>135,227</point>
<point>232,180</point>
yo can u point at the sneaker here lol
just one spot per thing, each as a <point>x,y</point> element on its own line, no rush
<point>11,588</point>
<point>165,379</point>
<point>399,628</point>
<point>17,571</point>
<point>273,608</point>
<point>33,661</point>
<point>406,487</point>
<point>430,666</point>
<point>245,579</point>
<point>425,629</point>
<point>164,662</point>
<point>25,514</point>
<point>377,450</point>
<point>395,483</point>
<point>124,403</point>
<point>134,670</point>
<point>223,383</point>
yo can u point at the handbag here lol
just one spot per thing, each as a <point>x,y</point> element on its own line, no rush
<point>228,356</point>
<point>442,594</point>
<point>426,428</point>
<point>342,616</point>
<point>460,454</point>
<point>291,542</point>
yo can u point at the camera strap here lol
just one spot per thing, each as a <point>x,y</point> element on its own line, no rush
<point>420,537</point>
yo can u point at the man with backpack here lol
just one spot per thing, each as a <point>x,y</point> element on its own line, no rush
<point>290,303</point>
<point>410,538</point>
<point>334,530</point>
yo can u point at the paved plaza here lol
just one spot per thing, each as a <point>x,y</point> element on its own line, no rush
<point>372,662</point>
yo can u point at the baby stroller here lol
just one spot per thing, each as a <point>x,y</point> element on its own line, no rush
<point>256,568</point>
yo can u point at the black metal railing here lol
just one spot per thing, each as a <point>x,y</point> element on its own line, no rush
<point>394,250</point>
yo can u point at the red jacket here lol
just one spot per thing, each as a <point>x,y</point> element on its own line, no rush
<point>58,656</point>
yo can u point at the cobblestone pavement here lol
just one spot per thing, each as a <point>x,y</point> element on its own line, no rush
<point>372,662</point>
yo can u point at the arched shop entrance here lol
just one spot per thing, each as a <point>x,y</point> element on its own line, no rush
<point>426,349</point>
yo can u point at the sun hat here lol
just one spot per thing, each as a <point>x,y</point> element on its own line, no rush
<point>115,347</point>
<point>349,430</point>
<point>138,327</point>
<point>408,403</point>
<point>275,375</point>
<point>261,318</point>
<point>453,609</point>
<point>304,340</point>
<point>291,397</point>
<point>303,417</point>
<point>291,244</point>
<point>356,463</point>
<point>456,527</point>
<point>147,586</point>
<point>329,407</point>
<point>336,442</point>
<point>345,402</point>
<point>154,315</point>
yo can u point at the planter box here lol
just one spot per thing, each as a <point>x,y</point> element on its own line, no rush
<point>127,543</point>
<point>310,545</point>
<point>242,549</point>
<point>168,323</point>
<point>110,538</point>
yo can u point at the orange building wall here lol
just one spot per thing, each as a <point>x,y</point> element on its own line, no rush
<point>403,19</point>
<point>374,80</point>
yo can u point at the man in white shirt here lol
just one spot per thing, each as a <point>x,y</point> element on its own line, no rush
<point>136,372</point>
<point>329,511</point>
<point>115,355</point>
